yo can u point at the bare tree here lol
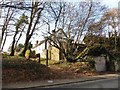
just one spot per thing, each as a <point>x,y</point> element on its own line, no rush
<point>33,10</point>
<point>111,17</point>
<point>71,24</point>
<point>23,19</point>
<point>6,23</point>
<point>21,5</point>
<point>35,15</point>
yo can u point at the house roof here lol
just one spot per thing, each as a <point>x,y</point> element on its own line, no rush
<point>51,34</point>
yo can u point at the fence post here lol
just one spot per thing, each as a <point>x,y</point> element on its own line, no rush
<point>47,57</point>
<point>46,52</point>
<point>38,55</point>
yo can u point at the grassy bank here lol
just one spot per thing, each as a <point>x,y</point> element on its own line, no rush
<point>18,69</point>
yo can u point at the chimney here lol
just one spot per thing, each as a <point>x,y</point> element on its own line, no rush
<point>53,31</point>
<point>36,42</point>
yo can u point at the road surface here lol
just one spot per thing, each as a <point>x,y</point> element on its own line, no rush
<point>103,83</point>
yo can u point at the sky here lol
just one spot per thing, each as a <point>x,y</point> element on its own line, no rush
<point>109,3</point>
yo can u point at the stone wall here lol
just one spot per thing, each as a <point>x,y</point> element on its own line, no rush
<point>100,63</point>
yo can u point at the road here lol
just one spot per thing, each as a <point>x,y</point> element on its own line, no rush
<point>0,70</point>
<point>103,83</point>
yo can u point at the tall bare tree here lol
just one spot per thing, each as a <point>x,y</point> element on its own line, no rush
<point>111,18</point>
<point>23,19</point>
<point>35,14</point>
<point>6,17</point>
<point>72,23</point>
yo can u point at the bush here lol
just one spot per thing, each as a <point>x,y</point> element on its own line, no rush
<point>27,54</point>
<point>32,54</point>
<point>91,62</point>
<point>119,66</point>
<point>5,54</point>
<point>96,50</point>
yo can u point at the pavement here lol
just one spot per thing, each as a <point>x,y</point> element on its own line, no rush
<point>47,83</point>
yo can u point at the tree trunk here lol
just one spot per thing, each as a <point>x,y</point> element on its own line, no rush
<point>4,41</point>
<point>19,37</point>
<point>69,58</point>
<point>13,45</point>
<point>29,35</point>
<point>25,46</point>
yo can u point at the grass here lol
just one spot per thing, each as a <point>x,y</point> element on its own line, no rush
<point>51,62</point>
<point>17,69</point>
<point>20,63</point>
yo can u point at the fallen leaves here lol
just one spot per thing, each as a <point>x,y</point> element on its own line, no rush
<point>28,71</point>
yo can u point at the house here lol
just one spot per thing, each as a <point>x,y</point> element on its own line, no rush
<point>42,46</point>
<point>53,52</point>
